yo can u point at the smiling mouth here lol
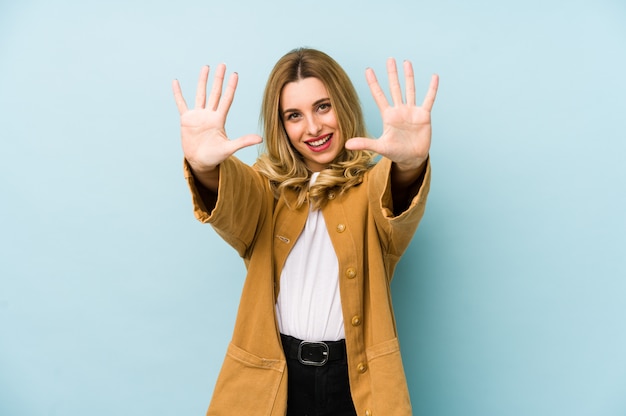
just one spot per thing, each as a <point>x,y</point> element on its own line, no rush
<point>320,142</point>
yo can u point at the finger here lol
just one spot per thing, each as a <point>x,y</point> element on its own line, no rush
<point>377,93</point>
<point>394,82</point>
<point>244,141</point>
<point>362,143</point>
<point>178,97</point>
<point>216,89</point>
<point>429,99</point>
<point>201,88</point>
<point>409,83</point>
<point>229,93</point>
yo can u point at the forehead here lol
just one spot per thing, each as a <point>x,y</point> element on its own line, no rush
<point>302,93</point>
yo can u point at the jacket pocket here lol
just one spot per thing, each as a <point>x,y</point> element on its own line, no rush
<point>390,393</point>
<point>248,385</point>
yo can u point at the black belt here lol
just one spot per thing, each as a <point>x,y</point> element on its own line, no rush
<point>313,353</point>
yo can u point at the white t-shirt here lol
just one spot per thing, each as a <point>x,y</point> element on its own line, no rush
<point>309,304</point>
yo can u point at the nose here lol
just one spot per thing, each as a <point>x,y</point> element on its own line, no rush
<point>314,126</point>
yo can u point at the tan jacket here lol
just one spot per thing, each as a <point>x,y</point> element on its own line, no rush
<point>368,240</point>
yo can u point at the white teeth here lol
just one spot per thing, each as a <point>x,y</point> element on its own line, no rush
<point>319,142</point>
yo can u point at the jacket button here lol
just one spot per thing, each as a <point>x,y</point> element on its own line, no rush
<point>368,413</point>
<point>356,320</point>
<point>350,272</point>
<point>341,228</point>
<point>362,368</point>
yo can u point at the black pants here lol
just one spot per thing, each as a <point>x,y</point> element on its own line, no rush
<point>317,390</point>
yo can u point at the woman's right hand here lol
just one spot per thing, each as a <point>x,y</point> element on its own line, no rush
<point>204,140</point>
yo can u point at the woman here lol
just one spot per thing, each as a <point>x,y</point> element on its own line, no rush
<point>320,227</point>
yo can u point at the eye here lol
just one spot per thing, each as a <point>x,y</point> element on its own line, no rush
<point>324,107</point>
<point>292,116</point>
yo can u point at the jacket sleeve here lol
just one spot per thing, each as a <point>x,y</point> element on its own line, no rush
<point>395,231</point>
<point>237,209</point>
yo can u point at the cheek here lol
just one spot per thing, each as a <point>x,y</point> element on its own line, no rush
<point>330,119</point>
<point>293,132</point>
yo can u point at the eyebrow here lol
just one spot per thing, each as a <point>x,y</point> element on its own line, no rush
<point>316,103</point>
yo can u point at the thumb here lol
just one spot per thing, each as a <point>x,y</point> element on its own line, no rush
<point>362,143</point>
<point>245,141</point>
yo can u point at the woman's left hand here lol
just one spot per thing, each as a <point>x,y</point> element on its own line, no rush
<point>406,127</point>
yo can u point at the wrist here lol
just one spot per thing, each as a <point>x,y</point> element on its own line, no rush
<point>416,165</point>
<point>207,176</point>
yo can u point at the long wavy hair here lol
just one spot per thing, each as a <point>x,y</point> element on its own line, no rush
<point>280,162</point>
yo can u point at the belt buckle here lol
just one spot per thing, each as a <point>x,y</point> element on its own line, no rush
<point>309,358</point>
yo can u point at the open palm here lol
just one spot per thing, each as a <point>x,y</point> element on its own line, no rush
<point>407,130</point>
<point>204,140</point>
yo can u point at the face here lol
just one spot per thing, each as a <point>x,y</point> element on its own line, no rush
<point>310,122</point>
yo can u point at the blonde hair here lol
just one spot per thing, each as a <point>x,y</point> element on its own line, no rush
<point>280,162</point>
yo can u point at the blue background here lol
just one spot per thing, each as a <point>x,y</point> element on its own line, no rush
<point>511,300</point>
